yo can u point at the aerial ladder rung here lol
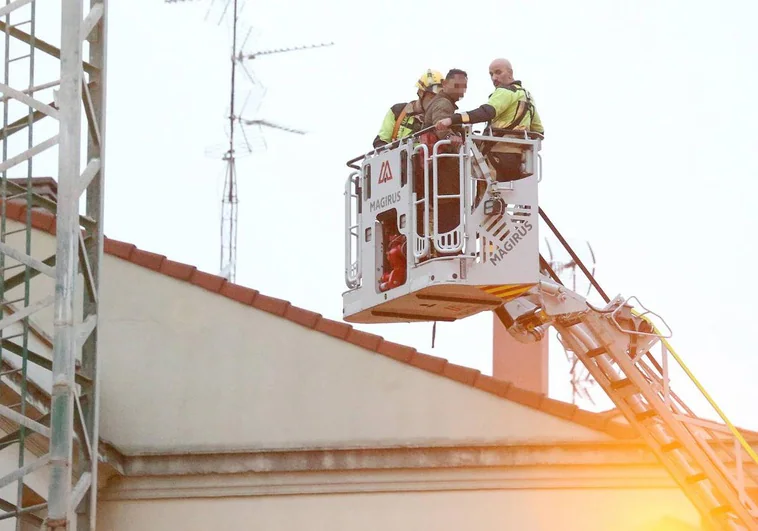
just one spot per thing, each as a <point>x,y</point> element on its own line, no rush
<point>721,510</point>
<point>645,415</point>
<point>697,478</point>
<point>670,447</point>
<point>621,384</point>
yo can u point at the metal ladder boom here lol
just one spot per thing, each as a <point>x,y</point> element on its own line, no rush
<point>644,397</point>
<point>711,473</point>
<point>711,462</point>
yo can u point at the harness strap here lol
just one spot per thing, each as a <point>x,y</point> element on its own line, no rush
<point>400,119</point>
<point>524,106</point>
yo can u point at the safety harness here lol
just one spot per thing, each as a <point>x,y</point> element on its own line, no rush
<point>523,107</point>
<point>401,120</point>
<point>503,162</point>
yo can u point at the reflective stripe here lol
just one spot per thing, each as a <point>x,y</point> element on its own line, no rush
<point>508,291</point>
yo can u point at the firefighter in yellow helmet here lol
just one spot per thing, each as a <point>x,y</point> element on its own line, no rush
<point>405,119</point>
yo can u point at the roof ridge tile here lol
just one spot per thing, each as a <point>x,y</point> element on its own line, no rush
<point>177,270</point>
<point>433,364</point>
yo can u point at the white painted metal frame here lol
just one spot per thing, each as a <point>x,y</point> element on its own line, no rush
<point>352,231</point>
<point>73,408</point>
<point>421,245</point>
<point>452,241</point>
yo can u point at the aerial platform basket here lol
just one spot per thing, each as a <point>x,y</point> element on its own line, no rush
<point>439,231</point>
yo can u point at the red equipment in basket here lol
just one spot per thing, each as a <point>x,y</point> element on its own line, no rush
<point>398,263</point>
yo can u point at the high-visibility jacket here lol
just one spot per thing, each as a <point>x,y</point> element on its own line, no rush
<point>514,109</point>
<point>400,121</point>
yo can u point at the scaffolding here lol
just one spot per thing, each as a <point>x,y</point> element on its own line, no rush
<point>53,112</point>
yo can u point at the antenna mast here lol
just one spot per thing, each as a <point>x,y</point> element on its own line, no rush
<point>230,200</point>
<point>228,266</point>
<point>228,262</point>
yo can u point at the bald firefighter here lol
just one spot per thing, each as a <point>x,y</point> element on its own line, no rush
<point>509,108</point>
<point>405,119</point>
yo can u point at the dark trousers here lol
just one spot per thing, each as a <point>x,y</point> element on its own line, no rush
<point>507,166</point>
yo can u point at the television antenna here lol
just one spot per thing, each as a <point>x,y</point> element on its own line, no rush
<point>565,267</point>
<point>230,199</point>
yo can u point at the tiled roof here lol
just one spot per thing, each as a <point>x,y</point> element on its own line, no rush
<point>44,220</point>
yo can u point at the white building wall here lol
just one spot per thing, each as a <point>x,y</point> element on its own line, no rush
<point>184,369</point>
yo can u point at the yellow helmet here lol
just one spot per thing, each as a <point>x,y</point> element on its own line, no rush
<point>430,81</point>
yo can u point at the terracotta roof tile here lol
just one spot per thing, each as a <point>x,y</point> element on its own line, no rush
<point>492,385</point>
<point>177,269</point>
<point>207,280</point>
<point>121,249</point>
<point>464,375</point>
<point>522,396</point>
<point>42,222</point>
<point>239,293</point>
<point>591,420</point>
<point>428,363</point>
<point>149,260</point>
<point>396,351</point>
<point>301,316</point>
<point>270,304</point>
<point>16,211</point>
<point>333,328</point>
<point>562,409</point>
<point>364,339</point>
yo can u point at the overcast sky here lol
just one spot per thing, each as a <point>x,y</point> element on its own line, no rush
<point>650,152</point>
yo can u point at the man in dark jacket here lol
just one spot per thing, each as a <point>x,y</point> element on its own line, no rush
<point>444,106</point>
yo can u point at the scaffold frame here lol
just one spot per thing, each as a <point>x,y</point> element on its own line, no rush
<point>64,415</point>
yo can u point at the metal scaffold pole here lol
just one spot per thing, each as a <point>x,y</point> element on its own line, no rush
<point>49,375</point>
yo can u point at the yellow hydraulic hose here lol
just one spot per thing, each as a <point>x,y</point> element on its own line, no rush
<point>713,404</point>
